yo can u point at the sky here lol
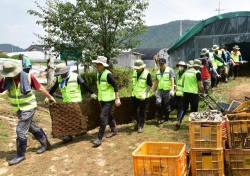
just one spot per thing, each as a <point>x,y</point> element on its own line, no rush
<point>18,27</point>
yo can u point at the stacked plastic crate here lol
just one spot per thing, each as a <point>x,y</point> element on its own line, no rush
<point>206,144</point>
<point>237,157</point>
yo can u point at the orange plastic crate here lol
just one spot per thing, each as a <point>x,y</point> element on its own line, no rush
<point>160,159</point>
<point>207,162</point>
<point>207,134</point>
<point>237,162</point>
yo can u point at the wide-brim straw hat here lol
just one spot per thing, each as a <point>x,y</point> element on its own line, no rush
<point>61,69</point>
<point>190,63</point>
<point>181,63</point>
<point>236,47</point>
<point>204,51</point>
<point>215,47</point>
<point>197,63</point>
<point>11,69</point>
<point>101,60</point>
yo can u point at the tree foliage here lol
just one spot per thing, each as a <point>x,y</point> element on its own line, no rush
<point>96,27</point>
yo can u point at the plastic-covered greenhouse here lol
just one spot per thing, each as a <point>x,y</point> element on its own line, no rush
<point>230,29</point>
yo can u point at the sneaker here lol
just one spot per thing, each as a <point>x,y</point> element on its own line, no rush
<point>140,130</point>
<point>111,134</point>
<point>97,142</point>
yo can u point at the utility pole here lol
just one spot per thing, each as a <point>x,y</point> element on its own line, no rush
<point>50,59</point>
<point>181,28</point>
<point>219,9</point>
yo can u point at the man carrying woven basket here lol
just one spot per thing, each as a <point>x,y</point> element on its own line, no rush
<point>19,86</point>
<point>69,84</point>
<point>107,95</point>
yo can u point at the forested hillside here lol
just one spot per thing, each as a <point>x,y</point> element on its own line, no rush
<point>10,48</point>
<point>163,36</point>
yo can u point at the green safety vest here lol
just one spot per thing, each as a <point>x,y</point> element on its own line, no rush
<point>211,55</point>
<point>218,63</point>
<point>140,84</point>
<point>72,91</point>
<point>190,82</point>
<point>164,82</point>
<point>180,84</point>
<point>19,101</point>
<point>236,57</point>
<point>105,90</point>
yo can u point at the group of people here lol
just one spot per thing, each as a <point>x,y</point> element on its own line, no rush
<point>173,90</point>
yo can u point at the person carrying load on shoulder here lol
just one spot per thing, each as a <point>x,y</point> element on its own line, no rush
<point>164,84</point>
<point>142,83</point>
<point>107,96</point>
<point>69,84</point>
<point>19,86</point>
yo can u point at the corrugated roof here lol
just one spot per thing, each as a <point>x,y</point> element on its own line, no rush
<point>198,27</point>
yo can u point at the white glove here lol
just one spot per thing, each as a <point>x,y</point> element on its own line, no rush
<point>117,102</point>
<point>94,96</point>
<point>48,101</point>
<point>218,76</point>
<point>241,62</point>
<point>204,95</point>
<point>143,96</point>
<point>171,93</point>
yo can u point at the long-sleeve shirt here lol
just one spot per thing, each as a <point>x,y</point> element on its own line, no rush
<point>80,81</point>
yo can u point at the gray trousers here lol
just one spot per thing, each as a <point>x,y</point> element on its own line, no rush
<point>26,124</point>
<point>163,99</point>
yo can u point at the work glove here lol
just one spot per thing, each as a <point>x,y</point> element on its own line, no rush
<point>241,62</point>
<point>48,101</point>
<point>204,95</point>
<point>171,93</point>
<point>218,75</point>
<point>117,102</point>
<point>143,96</point>
<point>94,96</point>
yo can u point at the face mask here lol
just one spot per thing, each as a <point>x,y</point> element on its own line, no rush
<point>180,68</point>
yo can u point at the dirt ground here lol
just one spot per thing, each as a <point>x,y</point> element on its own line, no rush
<point>112,158</point>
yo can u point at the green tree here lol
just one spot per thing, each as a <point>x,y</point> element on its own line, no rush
<point>96,27</point>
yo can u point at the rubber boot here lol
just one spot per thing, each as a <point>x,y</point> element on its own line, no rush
<point>21,149</point>
<point>42,138</point>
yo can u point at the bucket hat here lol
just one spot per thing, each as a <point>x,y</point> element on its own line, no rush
<point>190,63</point>
<point>215,47</point>
<point>204,51</point>
<point>101,60</point>
<point>61,69</point>
<point>236,47</point>
<point>197,63</point>
<point>181,63</point>
<point>11,69</point>
<point>139,64</point>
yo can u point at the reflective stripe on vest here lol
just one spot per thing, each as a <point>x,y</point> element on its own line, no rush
<point>190,82</point>
<point>236,57</point>
<point>21,101</point>
<point>180,85</point>
<point>72,91</point>
<point>140,84</point>
<point>164,82</point>
<point>105,90</point>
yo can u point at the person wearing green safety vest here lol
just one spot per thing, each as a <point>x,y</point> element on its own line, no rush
<point>69,84</point>
<point>192,86</point>
<point>237,59</point>
<point>142,83</point>
<point>18,85</point>
<point>164,84</point>
<point>219,59</point>
<point>177,100</point>
<point>107,96</point>
<point>25,62</point>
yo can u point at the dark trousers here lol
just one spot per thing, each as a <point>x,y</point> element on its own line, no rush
<point>193,100</point>
<point>213,80</point>
<point>139,117</point>
<point>219,71</point>
<point>106,118</point>
<point>27,70</point>
<point>177,103</point>
<point>26,124</point>
<point>236,70</point>
<point>163,97</point>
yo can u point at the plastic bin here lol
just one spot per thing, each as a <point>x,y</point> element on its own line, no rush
<point>205,134</point>
<point>160,159</point>
<point>207,162</point>
<point>237,162</point>
<point>238,133</point>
